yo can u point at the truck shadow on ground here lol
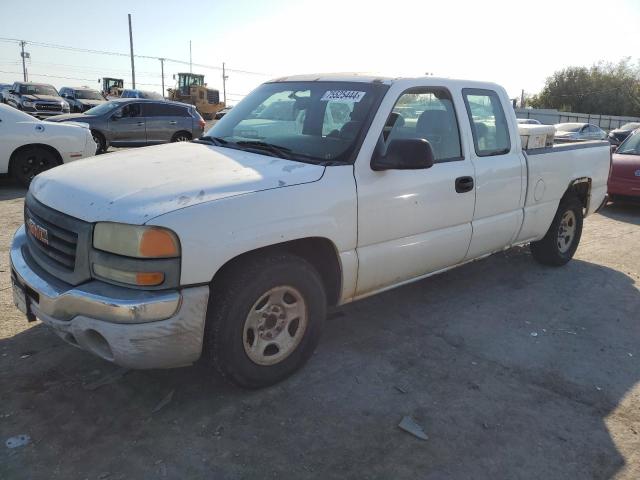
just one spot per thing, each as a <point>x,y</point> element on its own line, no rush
<point>10,190</point>
<point>514,371</point>
<point>624,212</point>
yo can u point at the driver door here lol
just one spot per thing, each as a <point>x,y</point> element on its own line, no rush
<point>414,222</point>
<point>128,126</point>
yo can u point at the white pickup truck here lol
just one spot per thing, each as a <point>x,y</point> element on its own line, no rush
<point>235,245</point>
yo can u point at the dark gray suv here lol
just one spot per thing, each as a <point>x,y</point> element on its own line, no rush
<point>138,122</point>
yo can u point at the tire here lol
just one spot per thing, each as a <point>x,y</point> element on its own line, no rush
<point>556,248</point>
<point>181,137</point>
<point>30,161</point>
<point>101,143</point>
<point>245,319</point>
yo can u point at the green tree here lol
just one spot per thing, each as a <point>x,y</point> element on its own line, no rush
<point>604,88</point>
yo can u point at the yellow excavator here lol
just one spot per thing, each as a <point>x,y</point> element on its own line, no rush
<point>191,88</point>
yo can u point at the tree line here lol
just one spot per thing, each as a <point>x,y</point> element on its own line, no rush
<point>604,88</point>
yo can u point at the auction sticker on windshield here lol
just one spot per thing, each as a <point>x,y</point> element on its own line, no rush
<point>350,96</point>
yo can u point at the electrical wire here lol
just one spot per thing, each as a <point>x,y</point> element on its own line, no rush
<point>121,54</point>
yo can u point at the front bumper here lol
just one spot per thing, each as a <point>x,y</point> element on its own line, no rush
<point>132,328</point>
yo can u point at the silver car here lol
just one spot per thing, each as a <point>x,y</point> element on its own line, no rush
<point>570,132</point>
<point>138,122</point>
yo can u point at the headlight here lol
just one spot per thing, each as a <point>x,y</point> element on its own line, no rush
<point>147,257</point>
<point>136,241</point>
<point>26,103</point>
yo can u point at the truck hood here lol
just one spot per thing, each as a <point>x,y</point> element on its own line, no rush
<point>43,98</point>
<point>136,185</point>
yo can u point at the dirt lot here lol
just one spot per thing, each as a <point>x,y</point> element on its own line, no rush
<point>514,370</point>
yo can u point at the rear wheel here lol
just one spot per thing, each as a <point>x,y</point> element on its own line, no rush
<point>181,137</point>
<point>264,320</point>
<point>561,241</point>
<point>29,162</point>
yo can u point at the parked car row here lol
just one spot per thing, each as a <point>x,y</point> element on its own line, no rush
<point>138,122</point>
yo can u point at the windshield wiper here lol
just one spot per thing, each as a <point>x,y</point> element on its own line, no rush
<point>217,141</point>
<point>282,152</point>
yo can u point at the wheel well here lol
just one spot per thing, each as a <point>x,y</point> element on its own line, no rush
<point>181,132</point>
<point>581,188</point>
<point>319,252</point>
<point>31,145</point>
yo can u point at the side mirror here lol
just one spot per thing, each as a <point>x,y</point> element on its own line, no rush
<point>403,154</point>
<point>614,148</point>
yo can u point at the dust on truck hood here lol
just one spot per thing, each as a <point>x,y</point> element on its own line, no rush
<point>136,185</point>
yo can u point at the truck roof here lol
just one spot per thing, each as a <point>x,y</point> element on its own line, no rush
<point>373,78</point>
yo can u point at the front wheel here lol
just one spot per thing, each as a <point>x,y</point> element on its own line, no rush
<point>101,143</point>
<point>264,319</point>
<point>561,241</point>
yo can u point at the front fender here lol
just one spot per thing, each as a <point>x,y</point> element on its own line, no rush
<point>215,232</point>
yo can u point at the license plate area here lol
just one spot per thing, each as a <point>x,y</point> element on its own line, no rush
<point>22,296</point>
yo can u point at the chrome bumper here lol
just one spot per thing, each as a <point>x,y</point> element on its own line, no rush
<point>133,328</point>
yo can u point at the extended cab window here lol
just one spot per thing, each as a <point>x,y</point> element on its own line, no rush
<point>488,122</point>
<point>426,113</point>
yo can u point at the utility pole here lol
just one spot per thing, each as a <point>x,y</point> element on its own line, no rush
<point>162,71</point>
<point>133,67</point>
<point>24,66</point>
<point>190,70</point>
<point>522,99</point>
<point>224,85</point>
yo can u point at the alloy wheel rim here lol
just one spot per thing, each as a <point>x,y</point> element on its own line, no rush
<point>275,325</point>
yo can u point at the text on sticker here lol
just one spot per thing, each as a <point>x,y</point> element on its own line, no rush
<point>350,96</point>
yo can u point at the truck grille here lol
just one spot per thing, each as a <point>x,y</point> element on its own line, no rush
<point>49,107</point>
<point>57,242</point>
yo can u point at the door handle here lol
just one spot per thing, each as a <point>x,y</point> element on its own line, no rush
<point>173,122</point>
<point>464,184</point>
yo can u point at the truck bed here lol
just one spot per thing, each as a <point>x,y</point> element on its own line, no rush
<point>550,172</point>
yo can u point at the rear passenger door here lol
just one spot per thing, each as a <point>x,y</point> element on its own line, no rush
<point>164,120</point>
<point>500,173</point>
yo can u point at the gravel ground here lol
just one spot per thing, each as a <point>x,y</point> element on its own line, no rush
<point>514,371</point>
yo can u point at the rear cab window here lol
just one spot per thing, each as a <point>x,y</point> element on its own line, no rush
<point>488,122</point>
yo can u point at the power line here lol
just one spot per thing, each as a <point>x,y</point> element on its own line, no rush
<point>121,54</point>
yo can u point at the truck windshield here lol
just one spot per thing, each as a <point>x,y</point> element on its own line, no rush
<point>318,122</point>
<point>38,90</point>
<point>88,95</point>
<point>631,146</point>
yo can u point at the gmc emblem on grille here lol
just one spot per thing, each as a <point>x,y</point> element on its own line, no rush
<point>38,232</point>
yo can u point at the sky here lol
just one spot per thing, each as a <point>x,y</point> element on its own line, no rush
<point>517,44</point>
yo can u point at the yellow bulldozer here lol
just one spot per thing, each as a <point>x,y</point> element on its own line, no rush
<point>112,87</point>
<point>191,88</point>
